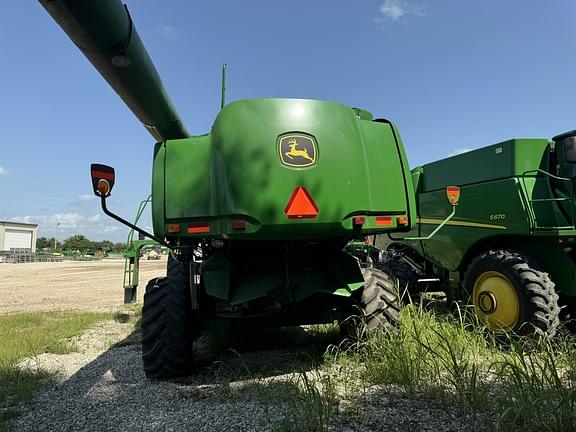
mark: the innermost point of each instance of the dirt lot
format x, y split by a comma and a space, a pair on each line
69, 285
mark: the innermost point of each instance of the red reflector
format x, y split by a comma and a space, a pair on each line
384, 220
301, 205
239, 224
198, 229
173, 228
359, 220
103, 175
402, 220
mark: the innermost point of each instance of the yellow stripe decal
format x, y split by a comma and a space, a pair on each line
431, 221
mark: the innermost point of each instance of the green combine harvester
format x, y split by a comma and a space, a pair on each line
257, 213
510, 249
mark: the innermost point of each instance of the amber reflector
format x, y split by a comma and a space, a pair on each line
384, 220
198, 229
402, 220
301, 205
103, 187
173, 228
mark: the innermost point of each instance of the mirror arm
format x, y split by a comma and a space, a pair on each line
125, 222
438, 228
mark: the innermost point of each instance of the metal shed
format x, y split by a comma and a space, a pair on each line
16, 235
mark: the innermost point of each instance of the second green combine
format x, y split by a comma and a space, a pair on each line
510, 251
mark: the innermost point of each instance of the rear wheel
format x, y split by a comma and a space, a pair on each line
511, 294
379, 300
168, 327
405, 275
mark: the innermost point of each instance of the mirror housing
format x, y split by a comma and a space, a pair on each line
103, 177
453, 194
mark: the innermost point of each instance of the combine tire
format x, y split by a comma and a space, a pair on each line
379, 299
405, 275
511, 294
167, 328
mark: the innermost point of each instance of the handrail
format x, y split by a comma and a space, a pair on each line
141, 208
537, 200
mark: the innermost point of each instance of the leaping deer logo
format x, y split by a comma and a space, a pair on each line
295, 152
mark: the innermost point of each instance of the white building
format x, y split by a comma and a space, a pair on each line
16, 235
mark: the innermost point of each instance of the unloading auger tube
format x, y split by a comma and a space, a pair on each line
103, 30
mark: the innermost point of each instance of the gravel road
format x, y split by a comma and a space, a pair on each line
69, 285
103, 387
107, 391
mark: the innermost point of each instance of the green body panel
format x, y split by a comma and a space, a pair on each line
475, 218
507, 159
508, 200
337, 273
236, 172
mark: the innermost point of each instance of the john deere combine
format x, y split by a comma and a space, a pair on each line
258, 211
510, 249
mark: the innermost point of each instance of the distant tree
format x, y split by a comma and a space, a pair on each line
119, 247
106, 245
77, 242
43, 243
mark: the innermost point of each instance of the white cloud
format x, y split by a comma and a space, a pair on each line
85, 198
395, 9
3, 172
460, 151
64, 225
63, 220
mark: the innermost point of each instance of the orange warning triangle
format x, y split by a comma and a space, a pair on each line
301, 205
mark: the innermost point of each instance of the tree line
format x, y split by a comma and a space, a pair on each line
79, 243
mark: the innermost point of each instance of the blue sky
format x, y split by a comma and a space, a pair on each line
452, 74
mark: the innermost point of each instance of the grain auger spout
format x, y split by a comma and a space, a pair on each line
103, 30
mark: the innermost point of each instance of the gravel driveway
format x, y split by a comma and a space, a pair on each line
106, 390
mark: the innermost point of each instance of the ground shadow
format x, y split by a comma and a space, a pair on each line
112, 393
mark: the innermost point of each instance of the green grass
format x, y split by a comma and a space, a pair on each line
451, 361
443, 360
28, 335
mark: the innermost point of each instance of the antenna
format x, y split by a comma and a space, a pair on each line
223, 97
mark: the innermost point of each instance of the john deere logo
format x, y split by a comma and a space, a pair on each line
297, 150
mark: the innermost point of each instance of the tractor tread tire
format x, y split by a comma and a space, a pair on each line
539, 306
405, 275
379, 299
167, 328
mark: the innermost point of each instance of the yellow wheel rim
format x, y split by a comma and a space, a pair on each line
496, 301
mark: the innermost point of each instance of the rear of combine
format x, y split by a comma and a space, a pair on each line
257, 213
510, 249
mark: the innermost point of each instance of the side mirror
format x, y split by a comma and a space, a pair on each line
453, 194
102, 179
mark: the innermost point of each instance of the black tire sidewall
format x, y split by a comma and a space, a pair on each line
486, 263
504, 262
